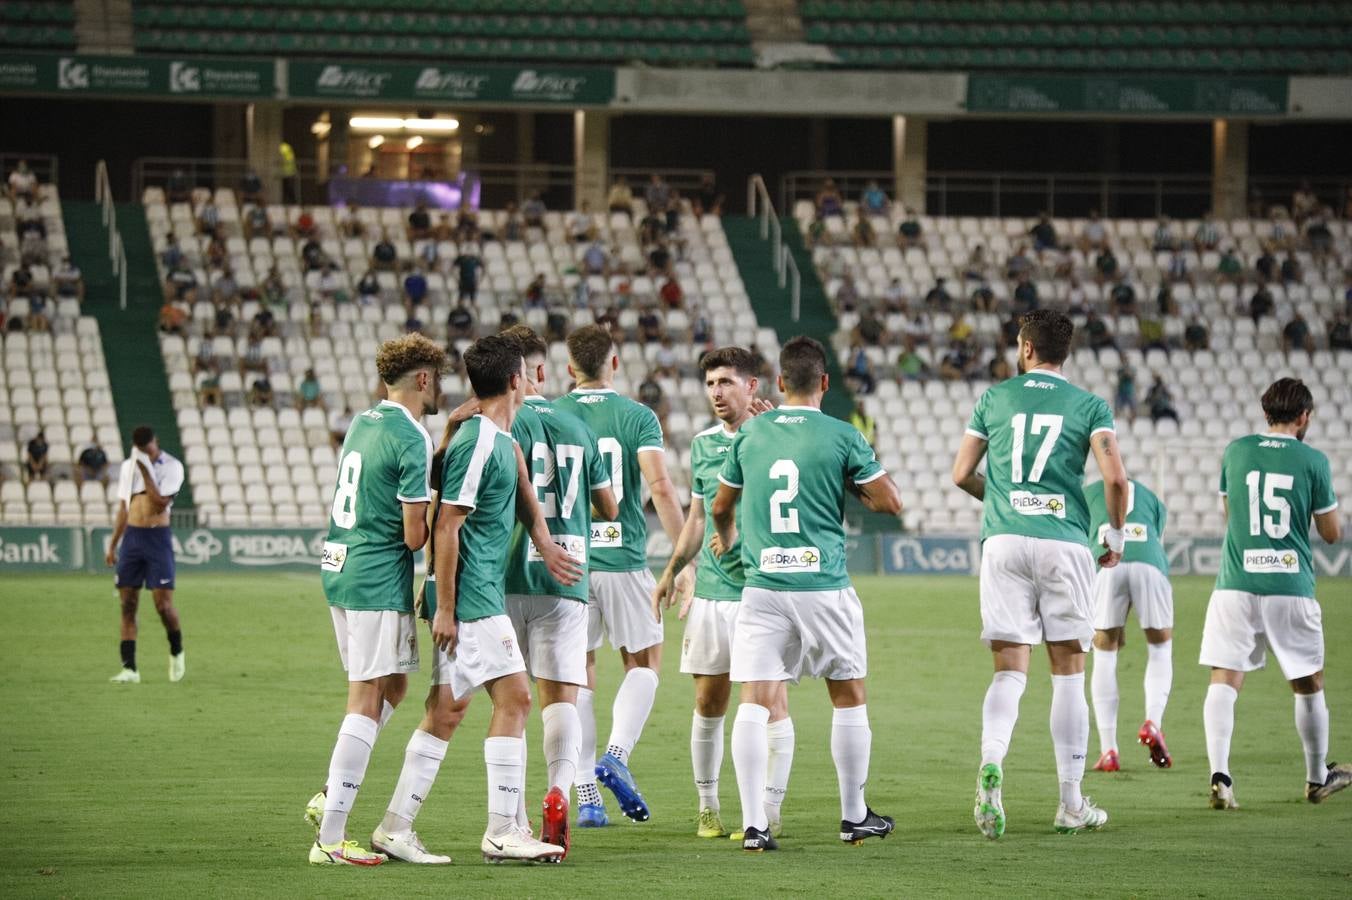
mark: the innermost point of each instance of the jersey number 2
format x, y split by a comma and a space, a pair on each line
345, 494
784, 518
1278, 526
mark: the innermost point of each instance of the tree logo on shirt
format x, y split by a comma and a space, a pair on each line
809, 557
612, 532
1055, 505
1289, 559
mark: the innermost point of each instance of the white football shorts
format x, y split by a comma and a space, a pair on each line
1135, 585
707, 646
552, 635
783, 635
1241, 626
375, 642
485, 650
1035, 590
621, 607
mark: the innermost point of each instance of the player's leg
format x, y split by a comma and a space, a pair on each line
1232, 644
751, 761
781, 738
504, 839
160, 579
1154, 602
1111, 601
164, 605
591, 813
706, 657
129, 599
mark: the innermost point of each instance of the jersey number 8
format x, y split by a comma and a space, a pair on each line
345, 494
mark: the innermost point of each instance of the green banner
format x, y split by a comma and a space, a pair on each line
54, 549
1127, 95
452, 84
194, 77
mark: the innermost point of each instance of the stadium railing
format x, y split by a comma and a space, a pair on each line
758, 206
117, 253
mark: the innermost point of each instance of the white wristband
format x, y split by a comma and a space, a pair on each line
1115, 539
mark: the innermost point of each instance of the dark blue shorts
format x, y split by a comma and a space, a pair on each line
146, 558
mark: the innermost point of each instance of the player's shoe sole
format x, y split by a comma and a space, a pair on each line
1087, 818
554, 829
1222, 793
1153, 739
757, 841
592, 815
1339, 777
871, 826
989, 812
1108, 762
344, 853
616, 776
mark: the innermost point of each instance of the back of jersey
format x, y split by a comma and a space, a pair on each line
791, 465
565, 467
1037, 427
385, 462
1273, 484
1143, 529
624, 428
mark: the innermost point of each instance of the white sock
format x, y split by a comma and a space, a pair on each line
633, 703
502, 756
422, 761
851, 745
999, 712
1070, 735
706, 757
1104, 688
586, 750
563, 730
522, 820
347, 768
1312, 724
1159, 680
750, 759
386, 710
781, 761
1218, 718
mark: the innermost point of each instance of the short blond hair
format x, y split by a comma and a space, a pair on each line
409, 353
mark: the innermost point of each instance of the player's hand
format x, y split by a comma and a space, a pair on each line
664, 594
444, 631
110, 558
685, 589
761, 405
716, 545
420, 600
561, 566
464, 412
1109, 558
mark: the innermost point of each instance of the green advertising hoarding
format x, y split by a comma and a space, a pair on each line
398, 82
1127, 95
56, 549
74, 74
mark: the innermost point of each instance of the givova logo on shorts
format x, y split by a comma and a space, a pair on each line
790, 559
1271, 562
1029, 504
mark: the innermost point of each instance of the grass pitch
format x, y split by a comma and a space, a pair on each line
197, 788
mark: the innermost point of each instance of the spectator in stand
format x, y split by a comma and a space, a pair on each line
595, 260
1025, 295
847, 295
174, 319
1165, 239
1304, 203
1207, 236
651, 228
938, 297
1044, 234
208, 218
37, 313
961, 329
667, 365
339, 423
33, 249
256, 222
265, 322
224, 321
1230, 268
460, 322
36, 463
651, 395
1261, 304
251, 189
863, 232
1009, 332
1291, 270
1094, 236
260, 392
911, 366
534, 295
671, 294
828, 200
1319, 237
1077, 301
978, 267
1195, 336
383, 255
304, 229
178, 188
659, 261
350, 225
1018, 263
1160, 400
983, 298
91, 464
1165, 305
651, 327
910, 233
958, 363
181, 283
1150, 333
1296, 335
419, 222
468, 268
23, 184
581, 226
1266, 265
368, 288
657, 194
1123, 297
218, 256
673, 213
331, 285
225, 289
309, 394
621, 198
68, 281
29, 219
894, 296
21, 281
707, 200
1098, 333
253, 359
533, 211
998, 369
869, 331
513, 226
918, 328
415, 288
172, 254
816, 232
1340, 332
1283, 232
860, 371
873, 201
701, 327
1178, 269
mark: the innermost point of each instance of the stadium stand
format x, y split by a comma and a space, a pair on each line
661, 32
1220, 36
38, 24
883, 294
262, 460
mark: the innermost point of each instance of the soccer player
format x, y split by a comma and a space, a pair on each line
1264, 594
730, 383
379, 519
790, 470
1141, 582
474, 638
620, 590
568, 476
1036, 568
146, 486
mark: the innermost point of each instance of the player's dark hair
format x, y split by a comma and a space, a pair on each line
490, 363
531, 343
1285, 399
746, 363
802, 363
142, 436
590, 348
1050, 333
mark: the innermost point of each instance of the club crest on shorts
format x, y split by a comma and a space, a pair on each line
507, 645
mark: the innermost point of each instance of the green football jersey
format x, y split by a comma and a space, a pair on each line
1273, 484
385, 462
479, 473
624, 428
792, 464
1037, 427
1144, 528
715, 578
565, 467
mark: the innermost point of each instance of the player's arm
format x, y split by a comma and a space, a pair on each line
1115, 488
724, 511
560, 565
653, 465
1329, 526
604, 505
880, 495
415, 524
965, 475
119, 526
447, 543
159, 501
685, 552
